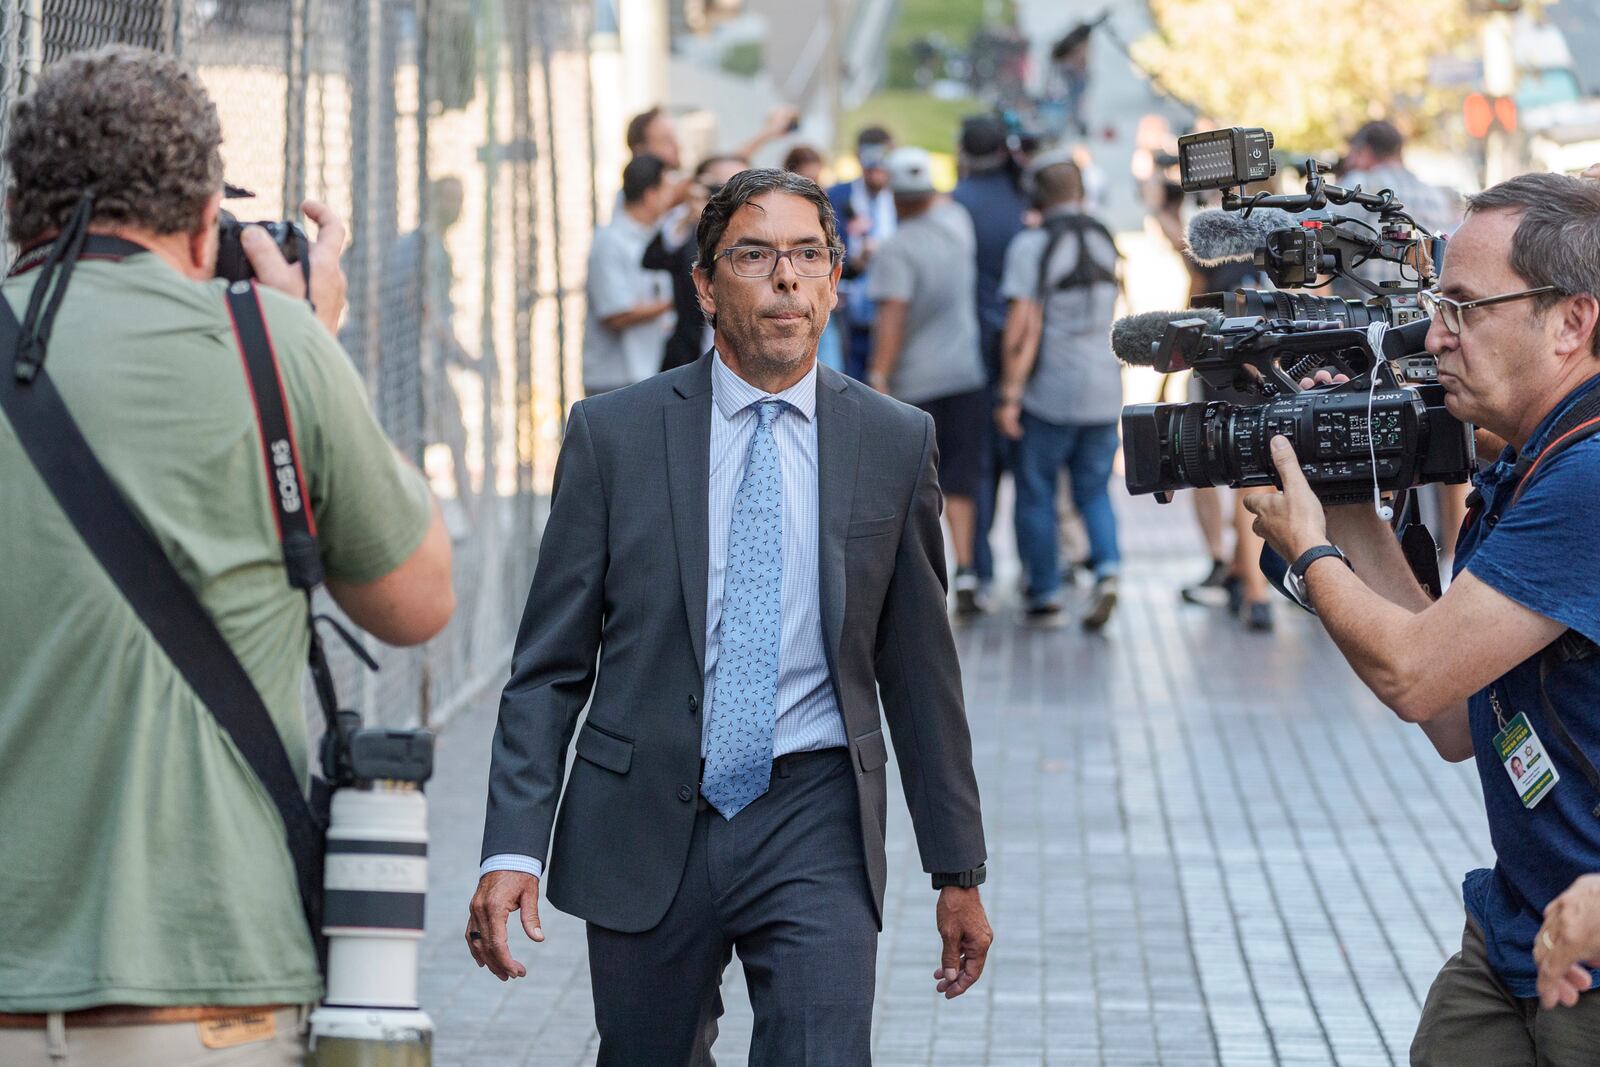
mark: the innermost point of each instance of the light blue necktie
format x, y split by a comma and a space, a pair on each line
744, 702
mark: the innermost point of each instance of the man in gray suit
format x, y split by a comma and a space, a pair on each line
759, 536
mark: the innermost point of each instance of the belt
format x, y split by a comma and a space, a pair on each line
136, 1015
785, 766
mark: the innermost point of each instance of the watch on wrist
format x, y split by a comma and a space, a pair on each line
961, 879
1295, 580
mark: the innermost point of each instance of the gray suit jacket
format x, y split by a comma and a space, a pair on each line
616, 618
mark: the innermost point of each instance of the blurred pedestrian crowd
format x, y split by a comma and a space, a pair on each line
989, 307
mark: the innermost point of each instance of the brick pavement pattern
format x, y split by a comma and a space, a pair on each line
1207, 847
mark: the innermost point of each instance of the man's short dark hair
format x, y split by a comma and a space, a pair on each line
1557, 241
726, 157
134, 127
643, 173
1380, 138
801, 155
639, 128
873, 135
745, 187
1058, 183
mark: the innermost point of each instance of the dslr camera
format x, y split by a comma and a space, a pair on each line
234, 265
1384, 430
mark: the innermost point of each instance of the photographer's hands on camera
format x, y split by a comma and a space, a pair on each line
327, 276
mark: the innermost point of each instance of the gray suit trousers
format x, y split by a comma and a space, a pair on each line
784, 884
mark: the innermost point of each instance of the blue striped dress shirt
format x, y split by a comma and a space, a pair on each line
808, 715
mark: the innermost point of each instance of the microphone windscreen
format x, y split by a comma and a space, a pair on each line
1218, 236
1134, 338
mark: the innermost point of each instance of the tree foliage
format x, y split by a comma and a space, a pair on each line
1310, 73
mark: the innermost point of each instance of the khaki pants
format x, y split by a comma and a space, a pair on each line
58, 1044
1471, 1019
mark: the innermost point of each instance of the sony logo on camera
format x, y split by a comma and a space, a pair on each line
283, 468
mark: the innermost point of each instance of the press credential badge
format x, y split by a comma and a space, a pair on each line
1522, 753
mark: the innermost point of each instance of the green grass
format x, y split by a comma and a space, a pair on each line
955, 20
914, 117
745, 59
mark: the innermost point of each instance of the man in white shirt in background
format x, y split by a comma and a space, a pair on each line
630, 308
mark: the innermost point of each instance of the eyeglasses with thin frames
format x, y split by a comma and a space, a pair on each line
1451, 312
759, 261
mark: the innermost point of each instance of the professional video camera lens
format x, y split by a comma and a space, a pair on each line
1337, 433
1303, 307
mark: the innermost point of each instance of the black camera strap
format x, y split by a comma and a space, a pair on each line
163, 601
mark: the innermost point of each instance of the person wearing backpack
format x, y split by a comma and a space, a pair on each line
150, 905
1503, 666
1061, 386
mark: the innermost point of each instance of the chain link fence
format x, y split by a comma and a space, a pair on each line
455, 137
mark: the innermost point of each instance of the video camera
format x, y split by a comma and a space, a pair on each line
1386, 429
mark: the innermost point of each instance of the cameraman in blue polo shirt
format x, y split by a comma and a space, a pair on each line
1514, 330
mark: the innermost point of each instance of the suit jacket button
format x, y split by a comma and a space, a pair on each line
694, 705
685, 794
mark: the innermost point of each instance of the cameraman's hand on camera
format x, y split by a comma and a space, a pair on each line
499, 894
327, 276
1291, 521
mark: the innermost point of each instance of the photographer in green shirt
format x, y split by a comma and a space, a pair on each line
148, 903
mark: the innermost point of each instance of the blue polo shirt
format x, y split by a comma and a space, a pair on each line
1545, 555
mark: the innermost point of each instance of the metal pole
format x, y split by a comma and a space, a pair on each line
294, 109
33, 54
558, 278
836, 71
1499, 79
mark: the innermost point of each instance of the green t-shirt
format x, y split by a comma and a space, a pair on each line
140, 860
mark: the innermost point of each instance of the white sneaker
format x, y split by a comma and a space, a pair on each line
1102, 602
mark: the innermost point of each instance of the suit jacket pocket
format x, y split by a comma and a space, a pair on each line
605, 749
874, 527
871, 753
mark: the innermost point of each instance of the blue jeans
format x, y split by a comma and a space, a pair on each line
1087, 452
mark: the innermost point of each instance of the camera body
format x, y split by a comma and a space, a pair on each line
1386, 428
234, 265
1346, 441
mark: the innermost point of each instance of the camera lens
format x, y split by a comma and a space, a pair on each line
1303, 307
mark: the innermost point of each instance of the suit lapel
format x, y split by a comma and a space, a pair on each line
838, 448
687, 419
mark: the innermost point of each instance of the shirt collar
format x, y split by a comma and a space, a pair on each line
631, 225
733, 394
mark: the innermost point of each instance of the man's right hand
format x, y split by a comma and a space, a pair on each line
328, 283
499, 894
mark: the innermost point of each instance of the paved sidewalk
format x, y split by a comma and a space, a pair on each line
1206, 847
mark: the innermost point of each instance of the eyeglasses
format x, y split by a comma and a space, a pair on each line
1451, 312
759, 261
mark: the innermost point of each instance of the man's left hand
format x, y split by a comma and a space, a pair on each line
964, 928
1569, 937
1291, 521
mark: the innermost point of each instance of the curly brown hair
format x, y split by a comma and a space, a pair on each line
133, 126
